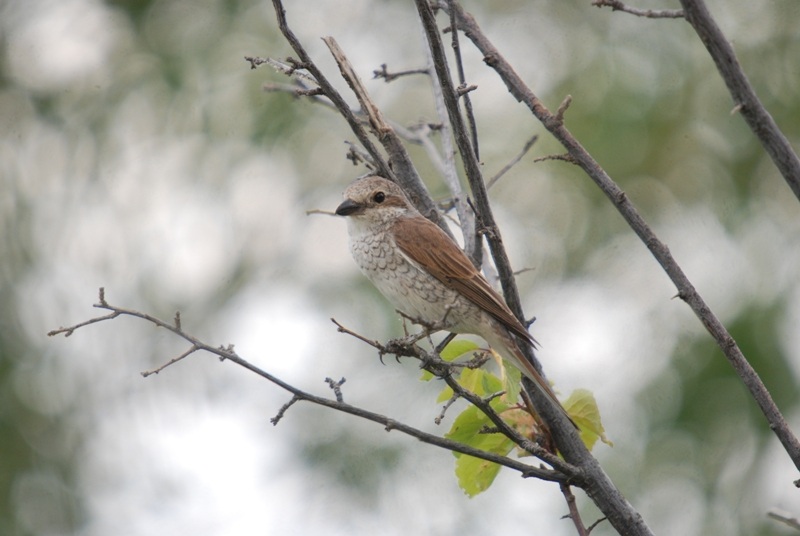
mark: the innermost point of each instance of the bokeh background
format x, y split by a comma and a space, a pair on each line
139, 153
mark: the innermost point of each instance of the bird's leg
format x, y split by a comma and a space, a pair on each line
478, 360
427, 328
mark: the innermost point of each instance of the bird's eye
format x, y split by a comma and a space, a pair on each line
379, 197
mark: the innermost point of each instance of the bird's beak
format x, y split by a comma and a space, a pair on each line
348, 208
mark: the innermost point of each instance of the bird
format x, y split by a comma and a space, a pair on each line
426, 276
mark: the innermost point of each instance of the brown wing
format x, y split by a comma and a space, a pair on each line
429, 247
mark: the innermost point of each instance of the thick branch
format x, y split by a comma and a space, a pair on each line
471, 164
599, 487
659, 250
545, 407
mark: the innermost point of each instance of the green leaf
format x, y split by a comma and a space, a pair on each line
468, 425
476, 475
582, 407
456, 348
480, 382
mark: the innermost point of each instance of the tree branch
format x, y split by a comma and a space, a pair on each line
744, 96
470, 161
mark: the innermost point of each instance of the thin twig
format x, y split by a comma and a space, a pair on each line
566, 157
616, 5
591, 527
70, 330
389, 77
466, 217
337, 388
574, 514
172, 361
473, 244
450, 402
784, 517
449, 171
296, 91
281, 412
562, 109
356, 154
289, 67
464, 90
513, 162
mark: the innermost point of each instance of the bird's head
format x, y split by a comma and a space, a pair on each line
374, 200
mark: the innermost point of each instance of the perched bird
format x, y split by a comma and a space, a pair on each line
425, 274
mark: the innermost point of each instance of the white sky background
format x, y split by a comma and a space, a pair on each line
160, 212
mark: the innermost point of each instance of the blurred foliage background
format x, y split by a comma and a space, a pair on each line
139, 153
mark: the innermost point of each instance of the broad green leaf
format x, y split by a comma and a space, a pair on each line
480, 382
456, 348
476, 475
468, 425
582, 407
